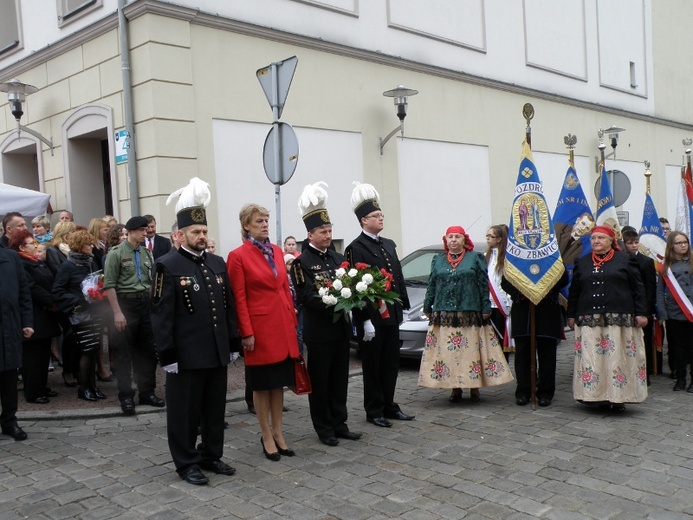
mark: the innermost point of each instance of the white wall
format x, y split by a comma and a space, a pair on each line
324, 155
441, 185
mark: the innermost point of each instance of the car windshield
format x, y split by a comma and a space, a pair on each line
416, 267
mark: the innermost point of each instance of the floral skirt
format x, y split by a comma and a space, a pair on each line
609, 364
462, 357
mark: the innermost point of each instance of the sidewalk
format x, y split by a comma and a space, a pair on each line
490, 460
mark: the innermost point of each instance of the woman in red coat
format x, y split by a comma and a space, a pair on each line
267, 323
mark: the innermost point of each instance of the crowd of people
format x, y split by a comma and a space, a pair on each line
71, 289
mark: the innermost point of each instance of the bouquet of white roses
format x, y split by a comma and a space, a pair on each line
355, 287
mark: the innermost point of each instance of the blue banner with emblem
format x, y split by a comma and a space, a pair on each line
652, 239
532, 260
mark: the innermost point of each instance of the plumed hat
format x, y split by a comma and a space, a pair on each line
365, 199
311, 204
192, 201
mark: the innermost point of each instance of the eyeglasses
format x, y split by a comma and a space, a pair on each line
491, 236
377, 215
680, 243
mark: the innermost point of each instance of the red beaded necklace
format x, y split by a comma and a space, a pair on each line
598, 262
454, 262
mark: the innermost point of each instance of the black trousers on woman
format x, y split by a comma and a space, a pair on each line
680, 337
36, 354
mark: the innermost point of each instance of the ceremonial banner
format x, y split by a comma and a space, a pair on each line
683, 206
606, 211
532, 260
652, 239
573, 220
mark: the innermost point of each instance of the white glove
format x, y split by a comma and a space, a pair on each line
368, 330
171, 369
235, 356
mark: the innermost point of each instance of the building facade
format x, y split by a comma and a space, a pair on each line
187, 82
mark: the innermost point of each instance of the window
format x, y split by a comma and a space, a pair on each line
69, 10
9, 26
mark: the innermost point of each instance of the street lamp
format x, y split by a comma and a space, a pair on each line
16, 95
400, 95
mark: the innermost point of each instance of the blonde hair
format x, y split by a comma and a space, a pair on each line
246, 215
110, 220
95, 226
61, 230
42, 220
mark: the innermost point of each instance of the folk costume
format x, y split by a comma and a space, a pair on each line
606, 296
195, 329
325, 333
461, 351
380, 355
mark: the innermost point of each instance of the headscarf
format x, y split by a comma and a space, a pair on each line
609, 231
468, 244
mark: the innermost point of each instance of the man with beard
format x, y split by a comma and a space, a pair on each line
195, 327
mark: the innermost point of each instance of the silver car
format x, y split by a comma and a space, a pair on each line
416, 268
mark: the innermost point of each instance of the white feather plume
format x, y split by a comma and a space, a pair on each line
196, 193
314, 197
363, 192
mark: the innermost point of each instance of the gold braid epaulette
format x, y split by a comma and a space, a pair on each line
298, 273
158, 283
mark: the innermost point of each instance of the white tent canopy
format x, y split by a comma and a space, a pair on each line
29, 203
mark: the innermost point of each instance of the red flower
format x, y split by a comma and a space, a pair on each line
345, 265
360, 265
586, 376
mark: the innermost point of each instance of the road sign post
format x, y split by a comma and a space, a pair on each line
280, 153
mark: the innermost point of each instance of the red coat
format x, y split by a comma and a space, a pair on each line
263, 303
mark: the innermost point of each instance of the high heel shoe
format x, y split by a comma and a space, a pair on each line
287, 452
103, 379
98, 393
271, 456
87, 394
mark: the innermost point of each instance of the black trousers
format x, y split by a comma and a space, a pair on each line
135, 352
8, 397
328, 368
195, 398
546, 367
36, 354
380, 362
680, 337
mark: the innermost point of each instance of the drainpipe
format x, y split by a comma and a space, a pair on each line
127, 108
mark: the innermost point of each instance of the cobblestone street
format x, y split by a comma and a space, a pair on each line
487, 460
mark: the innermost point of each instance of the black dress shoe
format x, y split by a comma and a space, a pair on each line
98, 393
39, 400
194, 476
690, 388
329, 441
680, 385
274, 457
352, 436
379, 421
543, 401
14, 431
128, 407
618, 407
218, 467
400, 416
50, 393
87, 394
522, 401
153, 400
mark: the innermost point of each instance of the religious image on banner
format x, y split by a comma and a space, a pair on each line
533, 262
606, 211
652, 239
573, 220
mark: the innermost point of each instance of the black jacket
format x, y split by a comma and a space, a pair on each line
15, 309
319, 324
40, 280
383, 255
193, 311
617, 288
548, 318
649, 280
67, 290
